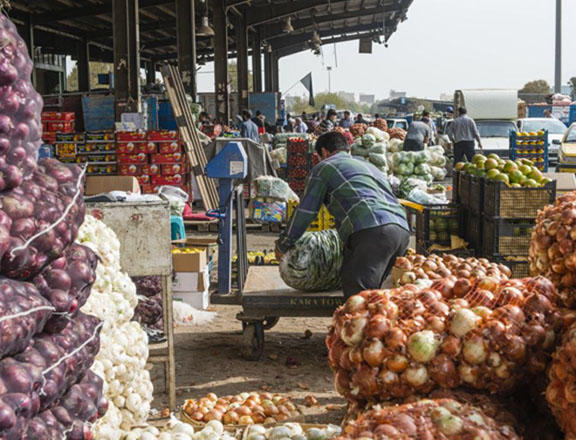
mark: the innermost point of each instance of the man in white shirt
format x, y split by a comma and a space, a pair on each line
463, 132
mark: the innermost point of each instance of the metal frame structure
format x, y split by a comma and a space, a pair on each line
135, 34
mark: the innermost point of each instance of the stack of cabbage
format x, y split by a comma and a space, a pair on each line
428, 165
122, 359
372, 147
46, 346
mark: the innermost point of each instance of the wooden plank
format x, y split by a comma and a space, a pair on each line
193, 146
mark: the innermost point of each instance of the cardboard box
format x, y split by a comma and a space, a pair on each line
162, 136
171, 170
143, 180
130, 170
167, 159
146, 147
169, 147
104, 184
189, 262
132, 158
198, 300
58, 116
131, 136
176, 179
191, 281
151, 169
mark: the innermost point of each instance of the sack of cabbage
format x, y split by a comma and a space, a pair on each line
314, 264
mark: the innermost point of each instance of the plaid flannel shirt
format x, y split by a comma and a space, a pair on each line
355, 192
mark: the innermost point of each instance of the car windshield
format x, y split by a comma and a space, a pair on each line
571, 135
554, 126
488, 129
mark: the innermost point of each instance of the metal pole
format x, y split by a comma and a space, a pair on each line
558, 75
186, 38
257, 62
242, 63
121, 59
221, 61
134, 65
83, 66
329, 68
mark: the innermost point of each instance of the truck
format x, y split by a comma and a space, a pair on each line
495, 112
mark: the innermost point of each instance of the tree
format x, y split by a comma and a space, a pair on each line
539, 86
233, 78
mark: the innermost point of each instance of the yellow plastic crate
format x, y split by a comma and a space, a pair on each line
324, 220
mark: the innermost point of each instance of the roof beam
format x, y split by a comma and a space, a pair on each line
272, 31
291, 50
88, 11
265, 14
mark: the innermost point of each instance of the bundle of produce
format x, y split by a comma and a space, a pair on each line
486, 335
122, 359
397, 133
24, 313
358, 130
314, 263
552, 247
412, 164
369, 148
395, 145
82, 405
416, 190
293, 431
427, 419
40, 218
149, 308
346, 133
561, 394
381, 124
273, 187
414, 267
520, 173
66, 283
243, 409
437, 162
20, 109
379, 135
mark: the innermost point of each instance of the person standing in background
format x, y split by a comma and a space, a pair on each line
360, 119
346, 122
300, 126
248, 129
463, 132
329, 123
418, 134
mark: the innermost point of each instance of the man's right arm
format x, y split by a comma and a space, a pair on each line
477, 135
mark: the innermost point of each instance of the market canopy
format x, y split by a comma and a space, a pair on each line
57, 23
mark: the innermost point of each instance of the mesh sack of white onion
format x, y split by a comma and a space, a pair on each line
66, 283
552, 248
20, 109
415, 267
72, 417
438, 419
40, 218
486, 335
45, 371
23, 314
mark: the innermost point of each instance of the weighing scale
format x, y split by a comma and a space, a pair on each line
263, 295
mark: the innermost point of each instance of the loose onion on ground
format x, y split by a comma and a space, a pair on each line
430, 339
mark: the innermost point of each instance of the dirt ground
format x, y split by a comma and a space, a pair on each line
294, 363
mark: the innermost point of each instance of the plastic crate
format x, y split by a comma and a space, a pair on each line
506, 237
476, 196
473, 230
435, 224
316, 225
424, 248
519, 268
505, 202
465, 185
456, 186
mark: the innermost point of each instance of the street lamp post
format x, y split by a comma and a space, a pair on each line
558, 73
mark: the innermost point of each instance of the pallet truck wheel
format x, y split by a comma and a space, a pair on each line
253, 341
270, 322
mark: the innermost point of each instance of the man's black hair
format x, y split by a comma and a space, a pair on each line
462, 110
346, 112
331, 112
425, 114
258, 113
247, 114
332, 141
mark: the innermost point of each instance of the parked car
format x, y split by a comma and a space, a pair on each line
495, 135
556, 131
567, 151
398, 123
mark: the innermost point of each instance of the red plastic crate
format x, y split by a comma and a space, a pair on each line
129, 170
163, 135
133, 158
131, 136
151, 169
169, 147
167, 158
58, 116
177, 179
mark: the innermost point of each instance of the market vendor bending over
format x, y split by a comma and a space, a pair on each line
369, 218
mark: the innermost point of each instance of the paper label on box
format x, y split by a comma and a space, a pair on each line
236, 167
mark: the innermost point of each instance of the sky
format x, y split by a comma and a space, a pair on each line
443, 46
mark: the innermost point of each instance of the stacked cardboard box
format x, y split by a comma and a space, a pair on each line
57, 122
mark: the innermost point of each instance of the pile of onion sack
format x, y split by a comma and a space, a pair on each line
148, 312
486, 335
46, 345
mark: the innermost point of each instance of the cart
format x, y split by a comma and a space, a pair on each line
265, 299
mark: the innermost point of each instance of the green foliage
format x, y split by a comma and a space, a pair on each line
539, 86
96, 68
323, 99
